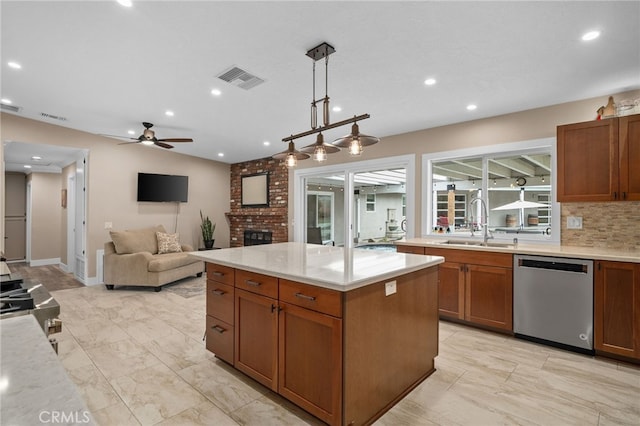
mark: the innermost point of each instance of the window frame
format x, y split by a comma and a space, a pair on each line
504, 149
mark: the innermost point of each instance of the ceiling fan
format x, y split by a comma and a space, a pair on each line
148, 137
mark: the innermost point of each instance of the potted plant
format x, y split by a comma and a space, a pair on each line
207, 228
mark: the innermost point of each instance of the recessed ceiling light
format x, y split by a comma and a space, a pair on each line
125, 3
471, 107
337, 109
6, 101
131, 132
266, 143
220, 154
26, 166
591, 35
14, 65
36, 158
430, 81
169, 113
216, 92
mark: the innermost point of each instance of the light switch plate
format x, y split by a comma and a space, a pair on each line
108, 225
389, 288
574, 222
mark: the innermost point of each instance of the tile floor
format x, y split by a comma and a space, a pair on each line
138, 358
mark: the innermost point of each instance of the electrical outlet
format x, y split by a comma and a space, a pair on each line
389, 288
574, 222
108, 225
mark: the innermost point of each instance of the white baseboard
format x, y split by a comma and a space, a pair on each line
45, 262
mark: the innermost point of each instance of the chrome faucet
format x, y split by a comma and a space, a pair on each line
486, 233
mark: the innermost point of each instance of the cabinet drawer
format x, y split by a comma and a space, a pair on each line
220, 338
311, 297
257, 283
220, 273
400, 248
475, 257
220, 301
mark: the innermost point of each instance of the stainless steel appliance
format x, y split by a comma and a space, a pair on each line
553, 301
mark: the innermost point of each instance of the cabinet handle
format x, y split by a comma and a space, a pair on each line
252, 283
218, 274
305, 297
218, 329
615, 195
624, 195
218, 292
273, 307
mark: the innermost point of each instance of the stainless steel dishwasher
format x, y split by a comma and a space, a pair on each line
553, 301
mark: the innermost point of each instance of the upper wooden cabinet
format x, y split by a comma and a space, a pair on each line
596, 160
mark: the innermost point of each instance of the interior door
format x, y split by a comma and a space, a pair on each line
15, 225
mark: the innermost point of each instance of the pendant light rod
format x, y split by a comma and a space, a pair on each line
323, 128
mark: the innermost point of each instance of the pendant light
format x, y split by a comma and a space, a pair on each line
354, 141
320, 149
291, 155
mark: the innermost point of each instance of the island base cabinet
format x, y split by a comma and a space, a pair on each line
390, 343
310, 361
256, 337
617, 309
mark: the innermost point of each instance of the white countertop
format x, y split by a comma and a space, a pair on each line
324, 266
34, 387
593, 253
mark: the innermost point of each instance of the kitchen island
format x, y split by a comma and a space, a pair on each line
342, 333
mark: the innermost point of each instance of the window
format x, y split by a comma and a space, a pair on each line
371, 202
515, 181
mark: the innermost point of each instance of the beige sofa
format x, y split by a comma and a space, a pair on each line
133, 258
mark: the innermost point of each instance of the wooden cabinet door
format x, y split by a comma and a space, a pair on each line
588, 161
310, 360
617, 308
630, 157
451, 290
489, 296
256, 337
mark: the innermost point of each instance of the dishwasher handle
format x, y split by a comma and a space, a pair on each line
555, 266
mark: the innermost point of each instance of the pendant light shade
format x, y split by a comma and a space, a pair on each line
291, 155
320, 149
355, 141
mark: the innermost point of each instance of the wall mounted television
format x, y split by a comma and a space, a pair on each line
163, 188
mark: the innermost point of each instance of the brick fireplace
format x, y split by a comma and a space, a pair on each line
272, 219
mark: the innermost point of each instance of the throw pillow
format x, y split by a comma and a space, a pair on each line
168, 243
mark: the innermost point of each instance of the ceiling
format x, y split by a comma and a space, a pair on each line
102, 68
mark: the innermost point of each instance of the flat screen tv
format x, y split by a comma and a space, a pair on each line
162, 188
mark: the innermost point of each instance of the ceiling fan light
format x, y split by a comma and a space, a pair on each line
147, 142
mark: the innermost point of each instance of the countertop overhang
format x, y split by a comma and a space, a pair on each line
593, 253
330, 267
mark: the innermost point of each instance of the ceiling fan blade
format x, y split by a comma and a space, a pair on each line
117, 136
127, 143
176, 140
163, 145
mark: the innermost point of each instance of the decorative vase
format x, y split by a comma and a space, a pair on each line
208, 244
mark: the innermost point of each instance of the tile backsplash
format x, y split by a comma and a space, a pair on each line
611, 225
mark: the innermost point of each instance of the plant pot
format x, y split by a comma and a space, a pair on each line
208, 244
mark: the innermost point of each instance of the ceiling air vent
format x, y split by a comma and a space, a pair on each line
53, 117
241, 78
10, 108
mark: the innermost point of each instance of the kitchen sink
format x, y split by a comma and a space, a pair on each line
477, 243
